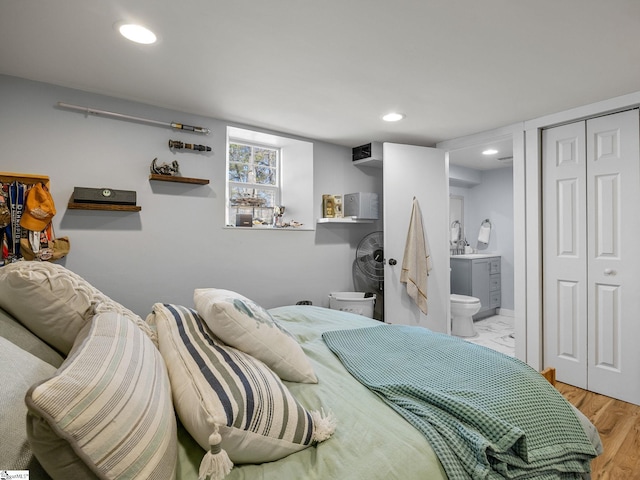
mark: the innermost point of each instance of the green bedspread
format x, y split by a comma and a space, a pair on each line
371, 442
485, 414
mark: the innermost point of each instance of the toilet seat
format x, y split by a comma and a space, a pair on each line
465, 299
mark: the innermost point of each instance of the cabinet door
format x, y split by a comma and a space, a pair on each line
480, 279
461, 277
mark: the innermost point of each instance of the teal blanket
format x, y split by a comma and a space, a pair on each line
485, 414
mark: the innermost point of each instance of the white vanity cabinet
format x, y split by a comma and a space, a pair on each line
478, 276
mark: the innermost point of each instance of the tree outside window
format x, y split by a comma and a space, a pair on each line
253, 181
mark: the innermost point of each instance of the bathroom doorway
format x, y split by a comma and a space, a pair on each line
483, 184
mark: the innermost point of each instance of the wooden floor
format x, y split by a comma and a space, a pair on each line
619, 426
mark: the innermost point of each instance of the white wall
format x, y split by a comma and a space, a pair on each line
492, 198
177, 241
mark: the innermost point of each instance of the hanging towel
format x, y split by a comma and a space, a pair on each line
456, 233
485, 233
416, 262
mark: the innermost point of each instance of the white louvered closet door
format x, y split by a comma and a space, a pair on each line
591, 229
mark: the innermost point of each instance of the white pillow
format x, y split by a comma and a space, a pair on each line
224, 395
245, 325
55, 303
107, 411
18, 371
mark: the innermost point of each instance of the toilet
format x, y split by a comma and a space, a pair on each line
463, 308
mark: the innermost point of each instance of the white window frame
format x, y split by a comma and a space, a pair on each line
249, 185
295, 177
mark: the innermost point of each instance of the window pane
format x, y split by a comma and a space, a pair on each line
262, 216
239, 153
265, 156
238, 172
265, 175
244, 196
252, 197
269, 197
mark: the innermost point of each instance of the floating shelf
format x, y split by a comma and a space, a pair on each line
170, 178
345, 220
102, 206
368, 162
26, 178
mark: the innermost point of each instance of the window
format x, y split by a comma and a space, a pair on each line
253, 181
265, 171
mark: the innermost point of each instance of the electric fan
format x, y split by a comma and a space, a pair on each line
368, 271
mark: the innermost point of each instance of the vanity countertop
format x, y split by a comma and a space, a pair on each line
475, 256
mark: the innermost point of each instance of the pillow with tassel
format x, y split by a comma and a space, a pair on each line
231, 403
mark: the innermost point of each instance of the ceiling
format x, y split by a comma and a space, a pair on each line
473, 156
330, 69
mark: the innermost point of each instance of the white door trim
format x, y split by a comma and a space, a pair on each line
527, 185
516, 133
532, 185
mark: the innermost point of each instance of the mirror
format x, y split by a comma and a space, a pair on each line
456, 214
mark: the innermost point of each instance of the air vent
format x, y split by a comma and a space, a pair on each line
370, 151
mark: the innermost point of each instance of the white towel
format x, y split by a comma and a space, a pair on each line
455, 234
416, 262
485, 234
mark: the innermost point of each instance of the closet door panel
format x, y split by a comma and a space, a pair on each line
607, 352
568, 324
607, 227
613, 179
564, 253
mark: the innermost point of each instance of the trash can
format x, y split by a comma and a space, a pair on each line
354, 302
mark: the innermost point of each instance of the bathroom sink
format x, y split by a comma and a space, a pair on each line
475, 255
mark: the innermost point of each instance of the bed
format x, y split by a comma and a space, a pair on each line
373, 438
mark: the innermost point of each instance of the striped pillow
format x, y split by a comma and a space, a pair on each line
256, 415
108, 410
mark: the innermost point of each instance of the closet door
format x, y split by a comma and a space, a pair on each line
591, 225
613, 178
565, 252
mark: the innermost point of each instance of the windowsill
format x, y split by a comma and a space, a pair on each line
346, 220
303, 228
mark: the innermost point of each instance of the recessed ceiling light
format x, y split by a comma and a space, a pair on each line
137, 33
490, 151
393, 117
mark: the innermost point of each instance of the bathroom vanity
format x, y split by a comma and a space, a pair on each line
478, 275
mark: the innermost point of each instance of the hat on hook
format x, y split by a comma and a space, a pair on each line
39, 209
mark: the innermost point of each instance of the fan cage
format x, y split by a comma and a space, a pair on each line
370, 256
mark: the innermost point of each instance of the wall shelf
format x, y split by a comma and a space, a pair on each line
102, 206
170, 178
26, 178
350, 220
368, 162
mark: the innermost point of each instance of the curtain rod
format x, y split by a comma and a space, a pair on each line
177, 126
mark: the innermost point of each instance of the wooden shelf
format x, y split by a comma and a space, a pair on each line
26, 178
103, 206
170, 178
345, 220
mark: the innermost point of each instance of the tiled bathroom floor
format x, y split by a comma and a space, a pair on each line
495, 332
